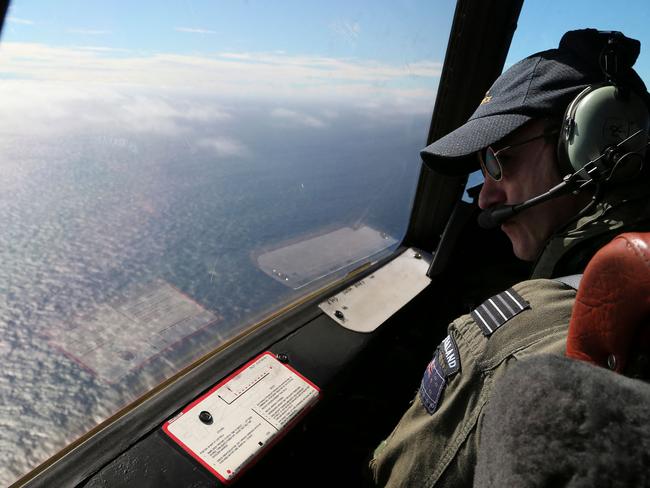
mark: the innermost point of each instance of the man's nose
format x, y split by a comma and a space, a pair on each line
492, 193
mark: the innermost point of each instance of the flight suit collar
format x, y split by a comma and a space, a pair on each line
569, 251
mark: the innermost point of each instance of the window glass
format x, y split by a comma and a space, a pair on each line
170, 172
475, 178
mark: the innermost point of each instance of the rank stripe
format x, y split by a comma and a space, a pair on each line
497, 310
489, 330
499, 315
493, 320
521, 307
507, 305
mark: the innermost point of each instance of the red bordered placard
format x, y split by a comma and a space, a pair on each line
250, 410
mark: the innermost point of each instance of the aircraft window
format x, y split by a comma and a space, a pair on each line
170, 174
475, 178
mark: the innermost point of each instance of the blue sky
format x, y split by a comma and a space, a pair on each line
343, 53
383, 30
391, 33
542, 23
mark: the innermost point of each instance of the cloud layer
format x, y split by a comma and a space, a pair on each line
252, 75
57, 91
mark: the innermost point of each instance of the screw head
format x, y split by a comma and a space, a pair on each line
418, 255
338, 314
611, 362
206, 418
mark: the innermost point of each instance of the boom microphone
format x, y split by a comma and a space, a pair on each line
493, 217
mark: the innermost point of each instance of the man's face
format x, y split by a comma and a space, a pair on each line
528, 171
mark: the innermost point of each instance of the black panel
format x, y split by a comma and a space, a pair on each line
154, 462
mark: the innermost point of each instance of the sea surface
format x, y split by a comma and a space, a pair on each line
99, 218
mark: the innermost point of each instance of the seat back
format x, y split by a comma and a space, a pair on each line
610, 322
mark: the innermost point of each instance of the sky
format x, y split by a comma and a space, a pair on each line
368, 51
542, 23
344, 52
336, 28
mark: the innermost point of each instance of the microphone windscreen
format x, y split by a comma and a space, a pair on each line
485, 220
494, 217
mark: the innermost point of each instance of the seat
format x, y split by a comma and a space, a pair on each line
612, 308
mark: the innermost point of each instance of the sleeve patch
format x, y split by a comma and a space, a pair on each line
450, 359
496, 311
433, 382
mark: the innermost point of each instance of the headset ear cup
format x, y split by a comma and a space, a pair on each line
594, 127
564, 163
567, 133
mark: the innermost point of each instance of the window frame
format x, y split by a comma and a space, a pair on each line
473, 47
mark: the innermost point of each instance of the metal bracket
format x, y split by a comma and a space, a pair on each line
368, 303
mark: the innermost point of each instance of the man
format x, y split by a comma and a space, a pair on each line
514, 133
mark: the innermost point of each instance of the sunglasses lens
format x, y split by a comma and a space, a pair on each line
491, 163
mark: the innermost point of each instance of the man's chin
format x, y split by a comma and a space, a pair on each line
521, 248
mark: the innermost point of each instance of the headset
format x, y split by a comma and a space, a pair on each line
603, 138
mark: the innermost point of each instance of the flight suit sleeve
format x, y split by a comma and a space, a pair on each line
436, 441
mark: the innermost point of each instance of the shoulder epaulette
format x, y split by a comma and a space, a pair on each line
497, 310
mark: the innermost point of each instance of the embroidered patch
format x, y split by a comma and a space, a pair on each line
433, 382
449, 357
496, 311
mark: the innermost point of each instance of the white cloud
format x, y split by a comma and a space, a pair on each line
52, 109
16, 20
194, 30
297, 117
88, 32
225, 146
103, 49
273, 76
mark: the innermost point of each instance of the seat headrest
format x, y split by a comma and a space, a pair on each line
611, 315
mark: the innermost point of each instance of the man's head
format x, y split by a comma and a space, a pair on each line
517, 182
517, 108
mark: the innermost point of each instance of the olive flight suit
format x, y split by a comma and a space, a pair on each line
436, 441
438, 446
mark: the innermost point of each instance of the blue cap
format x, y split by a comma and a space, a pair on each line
541, 85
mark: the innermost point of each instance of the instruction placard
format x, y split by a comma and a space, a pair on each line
228, 426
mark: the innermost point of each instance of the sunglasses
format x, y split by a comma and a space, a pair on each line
490, 163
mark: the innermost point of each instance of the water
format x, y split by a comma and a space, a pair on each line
92, 209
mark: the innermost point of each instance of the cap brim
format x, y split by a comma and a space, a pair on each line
469, 138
